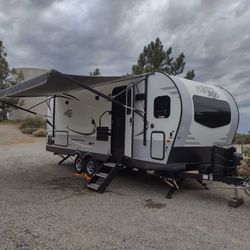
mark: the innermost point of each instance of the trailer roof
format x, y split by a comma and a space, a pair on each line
55, 82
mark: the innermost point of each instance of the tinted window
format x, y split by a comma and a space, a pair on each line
162, 106
210, 112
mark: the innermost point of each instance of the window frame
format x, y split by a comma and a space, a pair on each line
156, 105
219, 107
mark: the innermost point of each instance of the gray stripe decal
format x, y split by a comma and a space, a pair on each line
173, 92
191, 138
192, 143
168, 88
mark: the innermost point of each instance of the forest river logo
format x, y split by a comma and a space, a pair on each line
208, 91
68, 113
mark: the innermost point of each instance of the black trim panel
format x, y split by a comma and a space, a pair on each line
146, 165
190, 155
127, 161
118, 122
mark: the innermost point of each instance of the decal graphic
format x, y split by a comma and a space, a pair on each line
87, 133
81, 133
68, 113
147, 125
208, 91
71, 97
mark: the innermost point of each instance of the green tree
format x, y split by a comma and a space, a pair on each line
8, 78
96, 72
190, 75
155, 58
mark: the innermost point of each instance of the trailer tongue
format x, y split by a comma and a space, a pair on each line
222, 168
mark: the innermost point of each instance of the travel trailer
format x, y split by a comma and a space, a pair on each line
173, 126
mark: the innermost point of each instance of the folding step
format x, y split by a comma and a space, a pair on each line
109, 164
103, 176
93, 186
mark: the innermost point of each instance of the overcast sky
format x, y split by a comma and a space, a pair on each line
76, 36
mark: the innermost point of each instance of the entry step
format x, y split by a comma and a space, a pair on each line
102, 175
93, 186
110, 164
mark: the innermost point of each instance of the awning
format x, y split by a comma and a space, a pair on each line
54, 83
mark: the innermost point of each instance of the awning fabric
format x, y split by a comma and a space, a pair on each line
54, 82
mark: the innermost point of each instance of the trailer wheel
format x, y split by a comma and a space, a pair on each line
79, 166
91, 166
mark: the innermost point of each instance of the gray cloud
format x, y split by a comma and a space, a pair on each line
77, 36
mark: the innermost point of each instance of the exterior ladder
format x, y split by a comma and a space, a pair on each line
103, 176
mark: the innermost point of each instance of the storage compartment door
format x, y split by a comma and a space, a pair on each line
61, 138
157, 145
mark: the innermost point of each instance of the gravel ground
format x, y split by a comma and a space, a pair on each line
44, 206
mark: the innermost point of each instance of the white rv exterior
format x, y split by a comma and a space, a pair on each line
149, 122
172, 128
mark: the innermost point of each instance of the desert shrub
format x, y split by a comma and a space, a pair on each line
31, 124
246, 152
41, 132
242, 138
28, 130
244, 168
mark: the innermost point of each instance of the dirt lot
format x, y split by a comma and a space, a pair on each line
44, 206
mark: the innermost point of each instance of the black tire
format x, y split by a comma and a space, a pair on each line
79, 165
91, 165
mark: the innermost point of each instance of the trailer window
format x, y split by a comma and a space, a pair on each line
162, 106
210, 112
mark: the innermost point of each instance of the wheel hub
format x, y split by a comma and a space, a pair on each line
90, 167
79, 165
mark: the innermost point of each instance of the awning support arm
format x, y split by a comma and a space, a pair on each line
39, 103
27, 110
66, 97
129, 87
85, 86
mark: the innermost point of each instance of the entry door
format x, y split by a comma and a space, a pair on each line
160, 117
118, 123
129, 123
